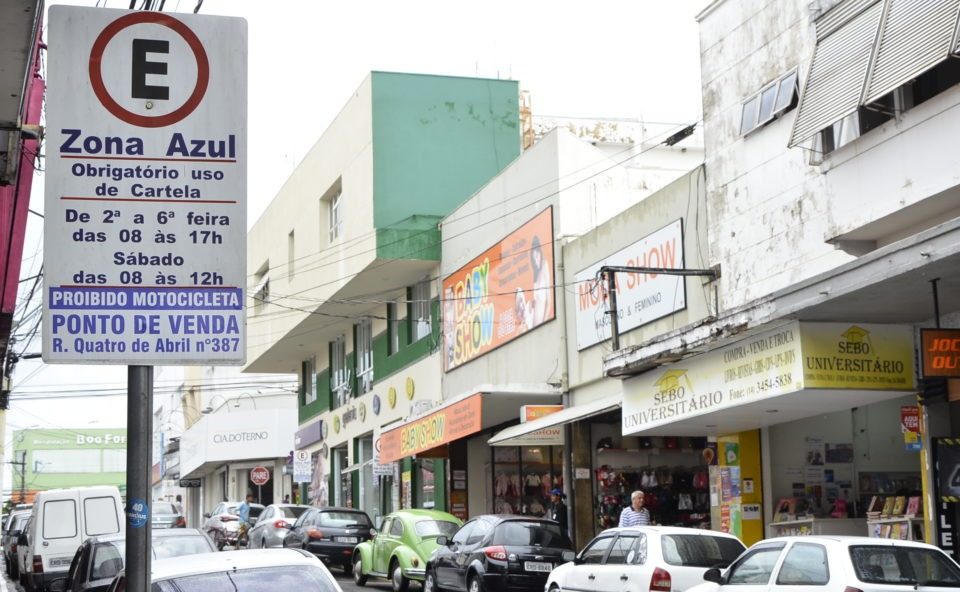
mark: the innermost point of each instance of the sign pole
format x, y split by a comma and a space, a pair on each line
139, 432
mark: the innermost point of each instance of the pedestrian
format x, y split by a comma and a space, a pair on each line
636, 514
286, 499
178, 504
558, 509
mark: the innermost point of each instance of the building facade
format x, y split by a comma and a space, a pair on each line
53, 458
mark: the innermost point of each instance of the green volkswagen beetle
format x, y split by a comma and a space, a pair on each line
402, 546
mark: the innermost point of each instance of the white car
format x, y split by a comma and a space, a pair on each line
645, 558
836, 564
239, 571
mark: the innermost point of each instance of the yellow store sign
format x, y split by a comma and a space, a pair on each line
787, 359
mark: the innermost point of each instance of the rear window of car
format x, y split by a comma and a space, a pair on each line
292, 511
696, 550
287, 577
175, 546
342, 519
427, 528
526, 533
60, 519
901, 564
19, 521
255, 511
163, 508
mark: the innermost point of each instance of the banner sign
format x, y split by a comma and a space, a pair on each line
436, 429
910, 427
501, 294
641, 298
145, 227
940, 351
783, 360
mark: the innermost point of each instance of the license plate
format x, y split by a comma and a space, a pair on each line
61, 561
538, 566
346, 539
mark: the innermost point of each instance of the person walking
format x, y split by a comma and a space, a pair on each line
636, 514
558, 510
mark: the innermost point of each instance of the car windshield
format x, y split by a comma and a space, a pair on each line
163, 508
696, 550
286, 577
19, 521
108, 557
293, 511
896, 564
529, 533
342, 519
432, 528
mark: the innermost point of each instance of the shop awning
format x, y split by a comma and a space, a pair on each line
570, 414
355, 467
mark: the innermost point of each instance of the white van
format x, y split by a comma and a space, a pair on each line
62, 520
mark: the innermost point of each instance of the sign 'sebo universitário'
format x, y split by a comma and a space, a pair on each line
145, 213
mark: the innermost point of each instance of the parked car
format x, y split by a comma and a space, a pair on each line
165, 515
402, 547
497, 553
837, 564
20, 557
331, 534
61, 520
646, 558
14, 526
223, 524
239, 571
100, 559
274, 525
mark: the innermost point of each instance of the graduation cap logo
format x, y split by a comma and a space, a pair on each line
856, 340
673, 381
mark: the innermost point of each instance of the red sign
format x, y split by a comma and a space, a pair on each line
259, 475
910, 419
940, 351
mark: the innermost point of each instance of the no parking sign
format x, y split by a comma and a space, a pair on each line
145, 221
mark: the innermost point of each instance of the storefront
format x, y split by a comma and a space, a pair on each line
801, 417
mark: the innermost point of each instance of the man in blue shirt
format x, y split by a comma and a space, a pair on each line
243, 511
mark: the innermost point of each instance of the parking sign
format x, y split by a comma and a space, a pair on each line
145, 219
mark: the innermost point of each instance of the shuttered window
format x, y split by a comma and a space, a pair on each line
915, 36
838, 71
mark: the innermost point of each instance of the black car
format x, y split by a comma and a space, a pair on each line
331, 534
100, 558
499, 553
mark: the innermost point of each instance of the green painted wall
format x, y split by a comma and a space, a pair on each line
53, 455
416, 237
437, 140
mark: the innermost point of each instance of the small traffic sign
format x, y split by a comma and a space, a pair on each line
259, 475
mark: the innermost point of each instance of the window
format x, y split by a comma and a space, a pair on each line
282, 577
429, 528
308, 380
336, 216
464, 533
385, 527
261, 288
621, 548
420, 310
339, 376
595, 551
393, 328
700, 550
59, 519
291, 256
804, 565
887, 564
480, 531
100, 516
396, 529
363, 348
773, 100
342, 519
756, 567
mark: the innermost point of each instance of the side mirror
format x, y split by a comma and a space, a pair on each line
712, 575
443, 541
373, 533
207, 515
58, 585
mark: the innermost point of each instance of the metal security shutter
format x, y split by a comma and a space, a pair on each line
915, 36
838, 71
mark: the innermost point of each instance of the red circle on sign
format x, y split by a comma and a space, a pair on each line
96, 65
259, 475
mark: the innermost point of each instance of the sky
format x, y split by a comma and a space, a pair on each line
617, 59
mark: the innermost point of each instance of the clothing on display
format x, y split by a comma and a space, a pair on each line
676, 496
523, 478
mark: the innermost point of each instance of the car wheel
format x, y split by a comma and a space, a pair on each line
397, 580
430, 582
358, 577
263, 543
475, 585
347, 568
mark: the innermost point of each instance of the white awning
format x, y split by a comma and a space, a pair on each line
355, 467
565, 416
916, 36
838, 71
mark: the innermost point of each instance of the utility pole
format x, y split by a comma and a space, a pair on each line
22, 464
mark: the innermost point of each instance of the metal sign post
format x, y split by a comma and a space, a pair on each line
145, 221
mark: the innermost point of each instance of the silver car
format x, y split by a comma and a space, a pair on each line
166, 515
274, 525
